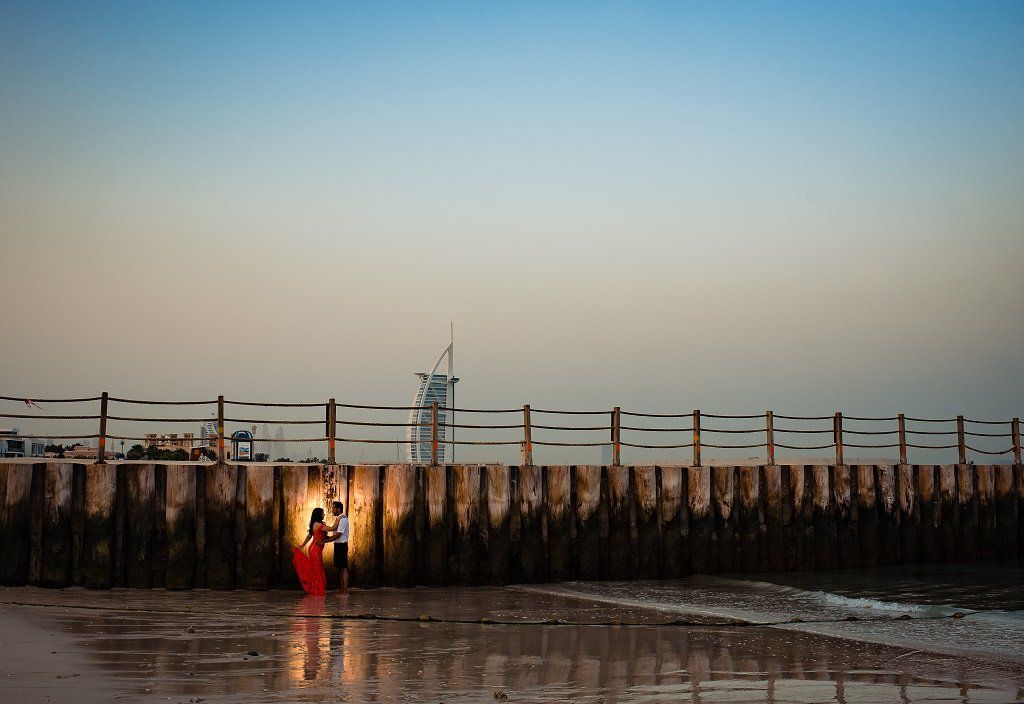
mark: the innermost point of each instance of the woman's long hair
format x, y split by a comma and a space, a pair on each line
317, 517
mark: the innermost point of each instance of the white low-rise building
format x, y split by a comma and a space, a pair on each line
14, 444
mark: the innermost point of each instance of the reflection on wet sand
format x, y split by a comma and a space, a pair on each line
280, 646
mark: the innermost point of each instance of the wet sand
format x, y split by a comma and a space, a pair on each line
285, 647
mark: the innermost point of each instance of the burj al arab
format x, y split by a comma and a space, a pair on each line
435, 387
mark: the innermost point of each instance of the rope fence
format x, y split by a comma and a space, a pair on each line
431, 427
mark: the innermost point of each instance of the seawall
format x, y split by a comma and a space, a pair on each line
196, 525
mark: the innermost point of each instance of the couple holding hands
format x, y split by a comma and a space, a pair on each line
310, 567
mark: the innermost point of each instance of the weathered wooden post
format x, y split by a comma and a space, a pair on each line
701, 521
888, 515
55, 526
949, 512
967, 495
464, 553
221, 547
498, 505
399, 538
724, 501
1006, 511
364, 517
15, 522
696, 438
776, 554
98, 534
621, 559
988, 539
823, 514
616, 437
180, 519
909, 513
1015, 432
140, 486
437, 524
588, 524
332, 430
845, 509
648, 549
558, 491
220, 430
929, 509
961, 443
259, 526
837, 431
770, 430
867, 515
672, 518
433, 434
101, 445
532, 565
903, 438
526, 454
751, 552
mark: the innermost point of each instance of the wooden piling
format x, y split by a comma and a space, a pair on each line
558, 493
648, 544
985, 476
724, 500
823, 517
847, 538
621, 555
1006, 511
949, 512
672, 517
698, 486
364, 520
752, 558
180, 518
436, 538
140, 483
532, 565
888, 515
98, 530
867, 514
967, 499
928, 509
259, 527
296, 513
909, 518
465, 547
775, 547
221, 548
15, 522
399, 540
498, 511
588, 528
55, 563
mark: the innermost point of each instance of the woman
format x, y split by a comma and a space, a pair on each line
310, 568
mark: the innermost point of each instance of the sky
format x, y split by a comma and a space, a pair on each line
664, 206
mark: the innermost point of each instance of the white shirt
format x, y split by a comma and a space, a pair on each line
342, 529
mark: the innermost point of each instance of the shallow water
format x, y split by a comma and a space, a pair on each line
552, 643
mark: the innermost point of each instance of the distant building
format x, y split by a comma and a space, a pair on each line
82, 452
434, 388
12, 444
170, 441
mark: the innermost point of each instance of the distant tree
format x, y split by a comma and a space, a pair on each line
312, 460
137, 452
283, 459
177, 455
261, 457
57, 450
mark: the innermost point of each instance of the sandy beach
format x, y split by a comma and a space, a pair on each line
444, 645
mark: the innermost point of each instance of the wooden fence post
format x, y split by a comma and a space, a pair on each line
696, 438
961, 442
101, 446
433, 434
220, 430
770, 428
837, 430
526, 456
1015, 431
331, 430
903, 438
616, 438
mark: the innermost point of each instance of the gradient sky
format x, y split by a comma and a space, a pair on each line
805, 206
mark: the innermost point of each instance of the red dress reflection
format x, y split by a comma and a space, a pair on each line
310, 568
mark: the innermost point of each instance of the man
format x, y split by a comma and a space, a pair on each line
340, 526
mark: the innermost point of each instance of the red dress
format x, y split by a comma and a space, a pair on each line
310, 568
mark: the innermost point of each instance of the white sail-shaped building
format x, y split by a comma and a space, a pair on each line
435, 387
